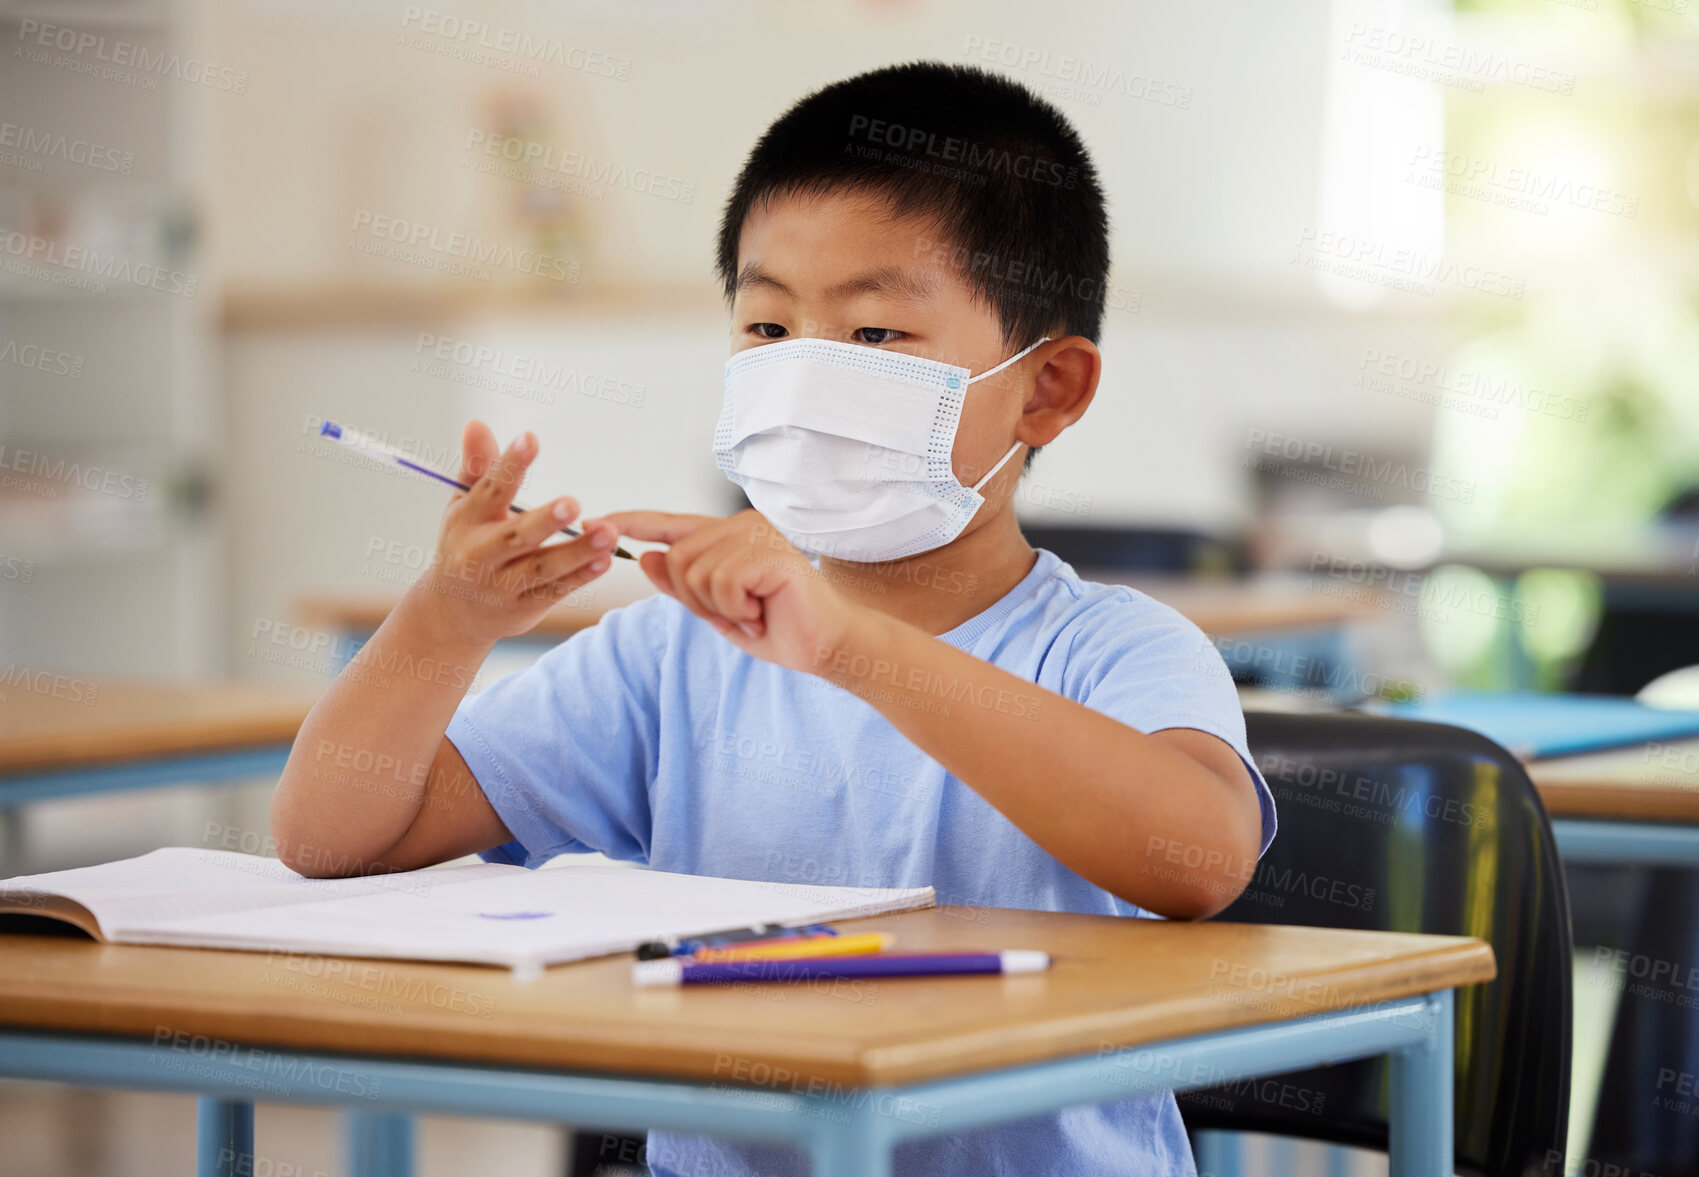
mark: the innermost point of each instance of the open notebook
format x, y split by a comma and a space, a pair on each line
482, 914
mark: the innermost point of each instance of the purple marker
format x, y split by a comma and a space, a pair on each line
678, 972
373, 448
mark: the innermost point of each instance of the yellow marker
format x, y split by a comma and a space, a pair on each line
805, 948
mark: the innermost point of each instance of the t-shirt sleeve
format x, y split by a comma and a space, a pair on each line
565, 749
1145, 664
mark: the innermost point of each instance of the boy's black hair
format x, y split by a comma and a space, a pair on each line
999, 173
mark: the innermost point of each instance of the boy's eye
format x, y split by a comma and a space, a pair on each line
767, 330
880, 335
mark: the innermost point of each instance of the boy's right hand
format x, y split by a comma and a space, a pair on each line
491, 577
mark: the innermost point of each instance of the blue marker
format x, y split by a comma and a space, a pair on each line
658, 949
373, 448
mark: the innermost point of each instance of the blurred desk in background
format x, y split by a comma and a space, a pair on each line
1636, 805
1237, 608
110, 736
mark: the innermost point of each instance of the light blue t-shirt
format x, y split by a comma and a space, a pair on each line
649, 737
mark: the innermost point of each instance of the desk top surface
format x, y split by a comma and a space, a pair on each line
72, 723
1115, 983
1657, 782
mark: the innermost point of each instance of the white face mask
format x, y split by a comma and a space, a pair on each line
846, 448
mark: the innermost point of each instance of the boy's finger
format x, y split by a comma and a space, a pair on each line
661, 527
519, 534
721, 577
654, 565
576, 561
497, 488
478, 449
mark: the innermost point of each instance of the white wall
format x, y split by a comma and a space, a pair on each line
1207, 202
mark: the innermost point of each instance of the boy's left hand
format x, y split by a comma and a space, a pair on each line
745, 579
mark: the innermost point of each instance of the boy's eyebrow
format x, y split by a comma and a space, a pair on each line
892, 280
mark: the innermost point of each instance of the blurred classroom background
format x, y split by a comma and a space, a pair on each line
1401, 346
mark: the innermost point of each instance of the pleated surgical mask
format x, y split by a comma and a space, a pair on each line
846, 448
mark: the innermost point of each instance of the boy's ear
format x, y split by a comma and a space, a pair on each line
1067, 380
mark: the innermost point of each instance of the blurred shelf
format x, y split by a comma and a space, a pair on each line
357, 305
19, 290
112, 16
332, 304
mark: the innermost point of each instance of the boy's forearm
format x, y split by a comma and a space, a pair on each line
1095, 793
356, 777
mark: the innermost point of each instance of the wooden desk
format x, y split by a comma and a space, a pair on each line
1218, 607
104, 723
1260, 604
1130, 1006
1638, 804
1646, 782
74, 736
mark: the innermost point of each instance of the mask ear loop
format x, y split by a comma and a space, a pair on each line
1007, 362
991, 372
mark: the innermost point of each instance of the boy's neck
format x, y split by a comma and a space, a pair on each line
940, 589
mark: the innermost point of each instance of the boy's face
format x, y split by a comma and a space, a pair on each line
841, 267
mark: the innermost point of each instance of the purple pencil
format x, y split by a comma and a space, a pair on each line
676, 971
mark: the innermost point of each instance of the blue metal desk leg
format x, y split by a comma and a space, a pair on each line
380, 1144
1220, 1154
225, 1132
1422, 1098
859, 1147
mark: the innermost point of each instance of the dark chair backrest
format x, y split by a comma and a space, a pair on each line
1154, 550
1396, 825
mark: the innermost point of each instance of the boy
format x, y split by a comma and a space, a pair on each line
869, 679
